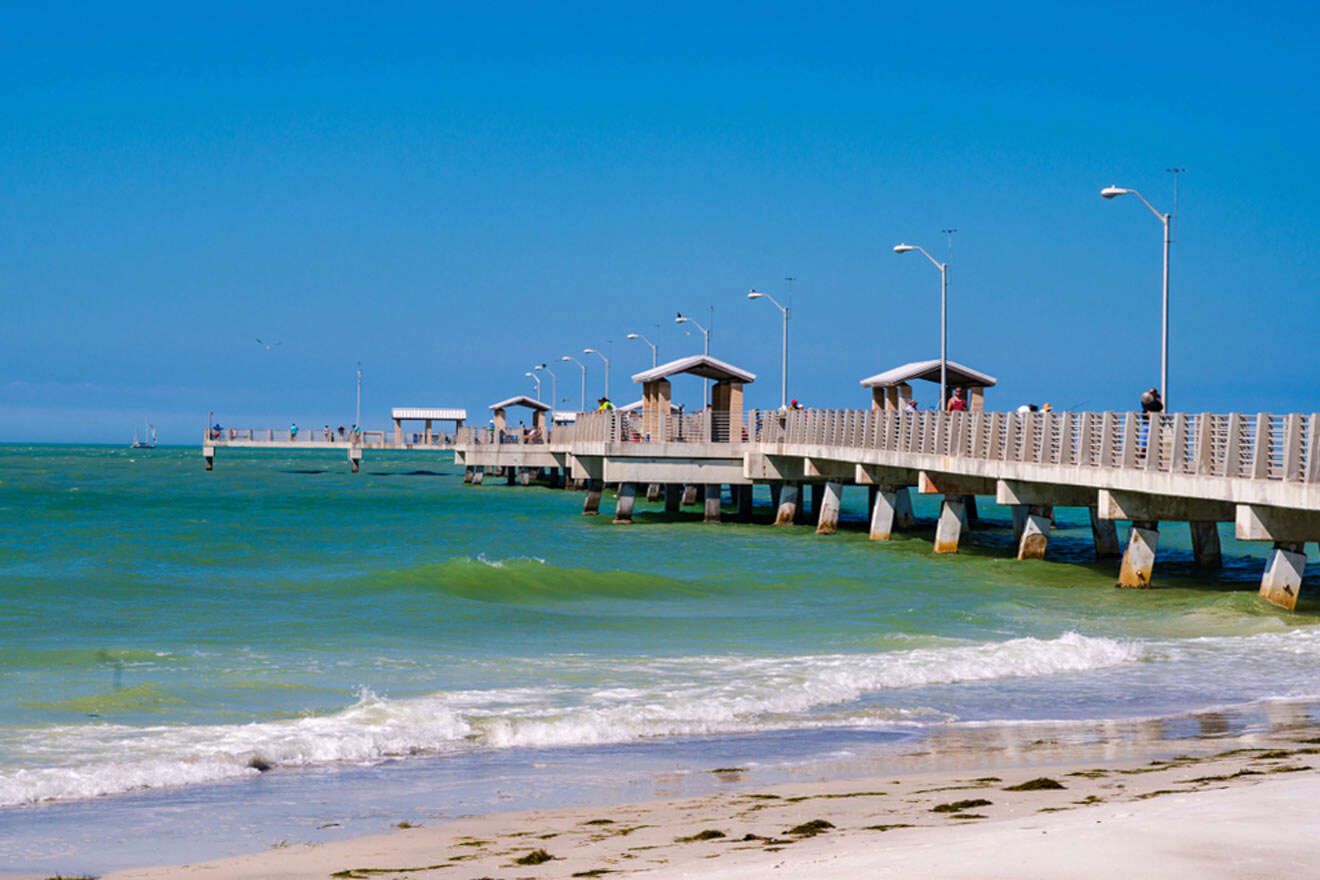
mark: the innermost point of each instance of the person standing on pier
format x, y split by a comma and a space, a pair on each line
293, 431
956, 402
1151, 402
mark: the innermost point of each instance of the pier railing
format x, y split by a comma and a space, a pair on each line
1261, 446
1254, 446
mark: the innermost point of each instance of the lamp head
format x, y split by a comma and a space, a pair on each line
903, 248
565, 358
529, 374
752, 294
590, 351
1110, 191
632, 335
681, 320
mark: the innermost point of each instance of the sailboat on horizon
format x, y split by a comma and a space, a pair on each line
148, 439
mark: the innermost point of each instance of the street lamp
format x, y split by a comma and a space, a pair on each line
582, 402
679, 319
783, 359
1110, 192
944, 315
607, 368
538, 384
654, 349
554, 390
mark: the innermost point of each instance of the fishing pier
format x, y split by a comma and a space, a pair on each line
1260, 472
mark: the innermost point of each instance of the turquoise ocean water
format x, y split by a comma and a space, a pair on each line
282, 632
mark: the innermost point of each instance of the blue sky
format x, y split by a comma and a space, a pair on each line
451, 195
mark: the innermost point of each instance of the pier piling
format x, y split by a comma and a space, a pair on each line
788, 503
623, 505
591, 505
827, 522
1139, 557
953, 517
1282, 580
714, 495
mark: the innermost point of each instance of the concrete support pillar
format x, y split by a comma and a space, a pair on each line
689, 495
426, 432
713, 497
786, 512
1105, 535
210, 461
1139, 557
1282, 581
479, 477
973, 516
623, 505
884, 508
776, 489
524, 476
510, 475
653, 492
398, 432
1035, 533
904, 518
467, 474
816, 490
1205, 545
591, 506
827, 521
1019, 523
744, 495
953, 518
673, 497
354, 457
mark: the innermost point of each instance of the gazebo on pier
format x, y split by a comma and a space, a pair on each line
726, 396
890, 389
539, 411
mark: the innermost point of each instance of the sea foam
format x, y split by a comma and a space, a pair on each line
636, 698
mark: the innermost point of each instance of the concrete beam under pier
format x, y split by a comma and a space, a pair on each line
1115, 504
935, 483
880, 475
1017, 492
1255, 522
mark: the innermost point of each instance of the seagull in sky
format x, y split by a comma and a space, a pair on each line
269, 345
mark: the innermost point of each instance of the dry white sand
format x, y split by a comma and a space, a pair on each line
1244, 808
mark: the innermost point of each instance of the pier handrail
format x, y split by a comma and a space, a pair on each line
1261, 446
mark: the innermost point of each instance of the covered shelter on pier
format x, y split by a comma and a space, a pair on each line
891, 389
726, 396
538, 409
427, 415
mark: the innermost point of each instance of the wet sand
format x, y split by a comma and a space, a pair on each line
1224, 806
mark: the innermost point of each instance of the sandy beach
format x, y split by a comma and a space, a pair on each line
1228, 807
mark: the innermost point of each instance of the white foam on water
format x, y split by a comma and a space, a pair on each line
583, 701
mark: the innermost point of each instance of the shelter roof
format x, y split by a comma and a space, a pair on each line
698, 365
930, 370
428, 412
521, 400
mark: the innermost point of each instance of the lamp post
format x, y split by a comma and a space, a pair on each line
944, 315
1110, 192
783, 358
538, 384
679, 319
582, 401
654, 349
357, 411
607, 369
554, 389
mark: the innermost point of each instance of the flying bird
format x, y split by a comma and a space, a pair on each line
269, 345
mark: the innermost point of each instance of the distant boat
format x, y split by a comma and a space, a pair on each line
148, 440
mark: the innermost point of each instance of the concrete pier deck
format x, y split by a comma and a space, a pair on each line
1260, 472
